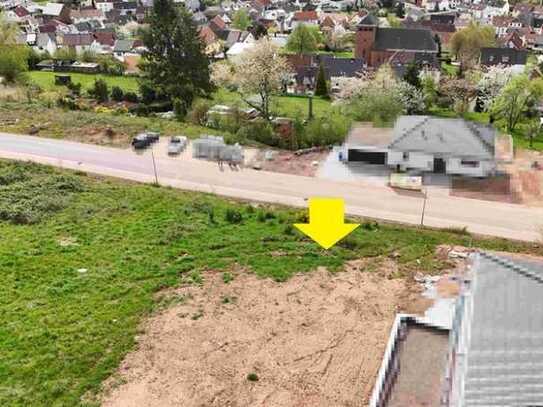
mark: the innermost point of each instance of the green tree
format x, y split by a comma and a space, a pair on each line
412, 75
321, 87
13, 62
515, 99
174, 63
241, 20
303, 40
466, 44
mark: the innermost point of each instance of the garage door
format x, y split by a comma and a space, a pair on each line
370, 157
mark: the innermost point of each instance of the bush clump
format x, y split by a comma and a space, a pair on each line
117, 94
233, 216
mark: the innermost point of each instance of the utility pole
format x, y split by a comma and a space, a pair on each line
423, 207
154, 165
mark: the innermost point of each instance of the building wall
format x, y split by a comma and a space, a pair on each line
413, 160
365, 38
483, 169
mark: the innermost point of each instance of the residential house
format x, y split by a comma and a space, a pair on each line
513, 39
304, 17
104, 5
78, 42
426, 144
378, 45
523, 12
503, 24
126, 8
496, 357
86, 15
105, 40
45, 43
305, 70
484, 347
192, 5
504, 56
122, 48
56, 11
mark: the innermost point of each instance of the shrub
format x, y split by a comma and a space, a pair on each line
100, 90
110, 65
288, 230
117, 94
258, 130
148, 93
179, 108
233, 216
75, 88
252, 377
68, 103
324, 131
131, 97
198, 112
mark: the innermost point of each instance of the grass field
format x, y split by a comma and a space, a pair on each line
81, 259
46, 80
88, 126
290, 106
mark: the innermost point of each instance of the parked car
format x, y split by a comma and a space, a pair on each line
176, 145
144, 140
153, 136
141, 141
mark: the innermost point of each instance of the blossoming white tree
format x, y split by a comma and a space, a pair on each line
491, 84
259, 71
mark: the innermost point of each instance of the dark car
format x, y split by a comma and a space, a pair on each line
153, 136
141, 141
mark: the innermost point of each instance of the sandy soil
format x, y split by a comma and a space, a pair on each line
522, 183
315, 340
287, 162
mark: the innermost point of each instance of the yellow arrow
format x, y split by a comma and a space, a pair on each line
326, 221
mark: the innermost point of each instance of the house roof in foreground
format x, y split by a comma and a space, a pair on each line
443, 136
505, 350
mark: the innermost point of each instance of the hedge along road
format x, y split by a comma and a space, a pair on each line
481, 217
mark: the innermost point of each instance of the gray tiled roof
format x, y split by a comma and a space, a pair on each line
413, 39
447, 137
505, 351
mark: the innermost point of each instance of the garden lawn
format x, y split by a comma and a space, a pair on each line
289, 106
76, 283
46, 80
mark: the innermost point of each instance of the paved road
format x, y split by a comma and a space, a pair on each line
487, 218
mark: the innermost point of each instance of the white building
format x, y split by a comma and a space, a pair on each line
427, 144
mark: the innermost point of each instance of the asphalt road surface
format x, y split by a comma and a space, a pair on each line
481, 217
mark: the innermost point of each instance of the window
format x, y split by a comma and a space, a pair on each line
505, 59
469, 163
406, 156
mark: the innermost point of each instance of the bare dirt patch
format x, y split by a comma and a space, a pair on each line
289, 163
521, 182
315, 340
498, 188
